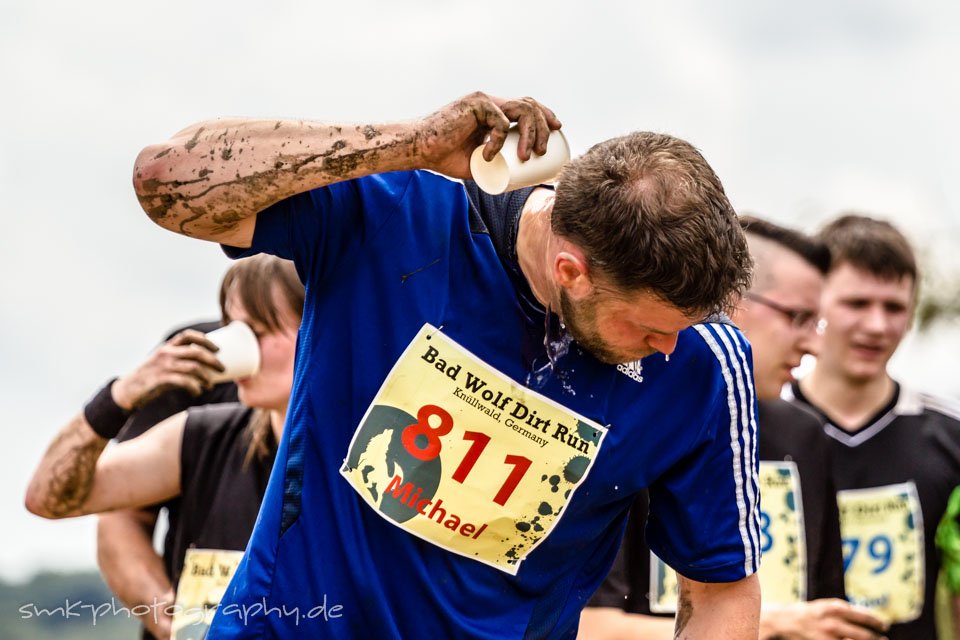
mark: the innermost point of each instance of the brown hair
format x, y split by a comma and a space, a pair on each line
813, 250
875, 246
255, 280
651, 215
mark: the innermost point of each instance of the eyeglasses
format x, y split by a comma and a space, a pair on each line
802, 319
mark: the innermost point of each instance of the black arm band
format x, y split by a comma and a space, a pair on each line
104, 415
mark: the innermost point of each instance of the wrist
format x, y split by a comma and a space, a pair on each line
121, 394
103, 414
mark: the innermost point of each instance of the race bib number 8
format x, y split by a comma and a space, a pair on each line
883, 556
458, 454
783, 571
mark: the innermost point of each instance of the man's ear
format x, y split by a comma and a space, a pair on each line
570, 271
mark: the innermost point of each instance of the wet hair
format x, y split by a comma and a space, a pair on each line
255, 280
872, 245
651, 215
813, 250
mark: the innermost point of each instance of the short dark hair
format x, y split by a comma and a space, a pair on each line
651, 215
813, 250
875, 246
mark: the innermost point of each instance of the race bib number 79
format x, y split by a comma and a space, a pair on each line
883, 557
458, 454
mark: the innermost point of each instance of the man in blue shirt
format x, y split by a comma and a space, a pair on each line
483, 384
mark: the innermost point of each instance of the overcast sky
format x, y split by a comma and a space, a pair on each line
804, 109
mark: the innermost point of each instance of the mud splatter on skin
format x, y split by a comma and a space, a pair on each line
153, 184
684, 613
163, 153
241, 192
369, 132
204, 173
276, 126
192, 142
71, 478
226, 154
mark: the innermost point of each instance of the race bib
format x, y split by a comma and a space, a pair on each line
883, 556
206, 574
783, 571
458, 454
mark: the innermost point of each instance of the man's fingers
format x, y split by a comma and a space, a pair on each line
537, 112
863, 618
197, 353
193, 385
192, 336
855, 632
543, 133
196, 370
552, 120
532, 126
497, 124
518, 111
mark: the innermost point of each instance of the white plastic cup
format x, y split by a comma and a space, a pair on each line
507, 172
239, 351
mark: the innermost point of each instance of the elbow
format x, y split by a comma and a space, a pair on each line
44, 502
36, 503
155, 196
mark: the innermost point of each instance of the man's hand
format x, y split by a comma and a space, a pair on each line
824, 619
186, 361
159, 621
446, 139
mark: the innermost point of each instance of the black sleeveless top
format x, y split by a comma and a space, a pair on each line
220, 495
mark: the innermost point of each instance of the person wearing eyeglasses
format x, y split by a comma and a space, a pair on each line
801, 576
896, 452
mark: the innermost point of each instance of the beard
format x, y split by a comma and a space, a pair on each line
580, 320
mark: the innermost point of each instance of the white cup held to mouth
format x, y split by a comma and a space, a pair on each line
507, 172
239, 351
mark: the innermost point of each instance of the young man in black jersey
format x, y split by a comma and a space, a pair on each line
896, 452
802, 573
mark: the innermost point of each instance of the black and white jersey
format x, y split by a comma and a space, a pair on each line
800, 532
894, 475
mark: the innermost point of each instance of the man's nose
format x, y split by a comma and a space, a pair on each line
875, 319
664, 343
808, 337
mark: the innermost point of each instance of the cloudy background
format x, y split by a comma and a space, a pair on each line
804, 109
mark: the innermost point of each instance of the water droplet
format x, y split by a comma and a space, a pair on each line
556, 344
666, 358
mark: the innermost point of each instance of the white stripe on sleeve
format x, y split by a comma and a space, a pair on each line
747, 532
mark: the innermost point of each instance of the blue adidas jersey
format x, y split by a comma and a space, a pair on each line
434, 479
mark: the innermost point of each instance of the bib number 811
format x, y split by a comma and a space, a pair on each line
422, 441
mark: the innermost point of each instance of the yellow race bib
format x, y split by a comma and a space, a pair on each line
883, 556
458, 454
206, 574
783, 542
